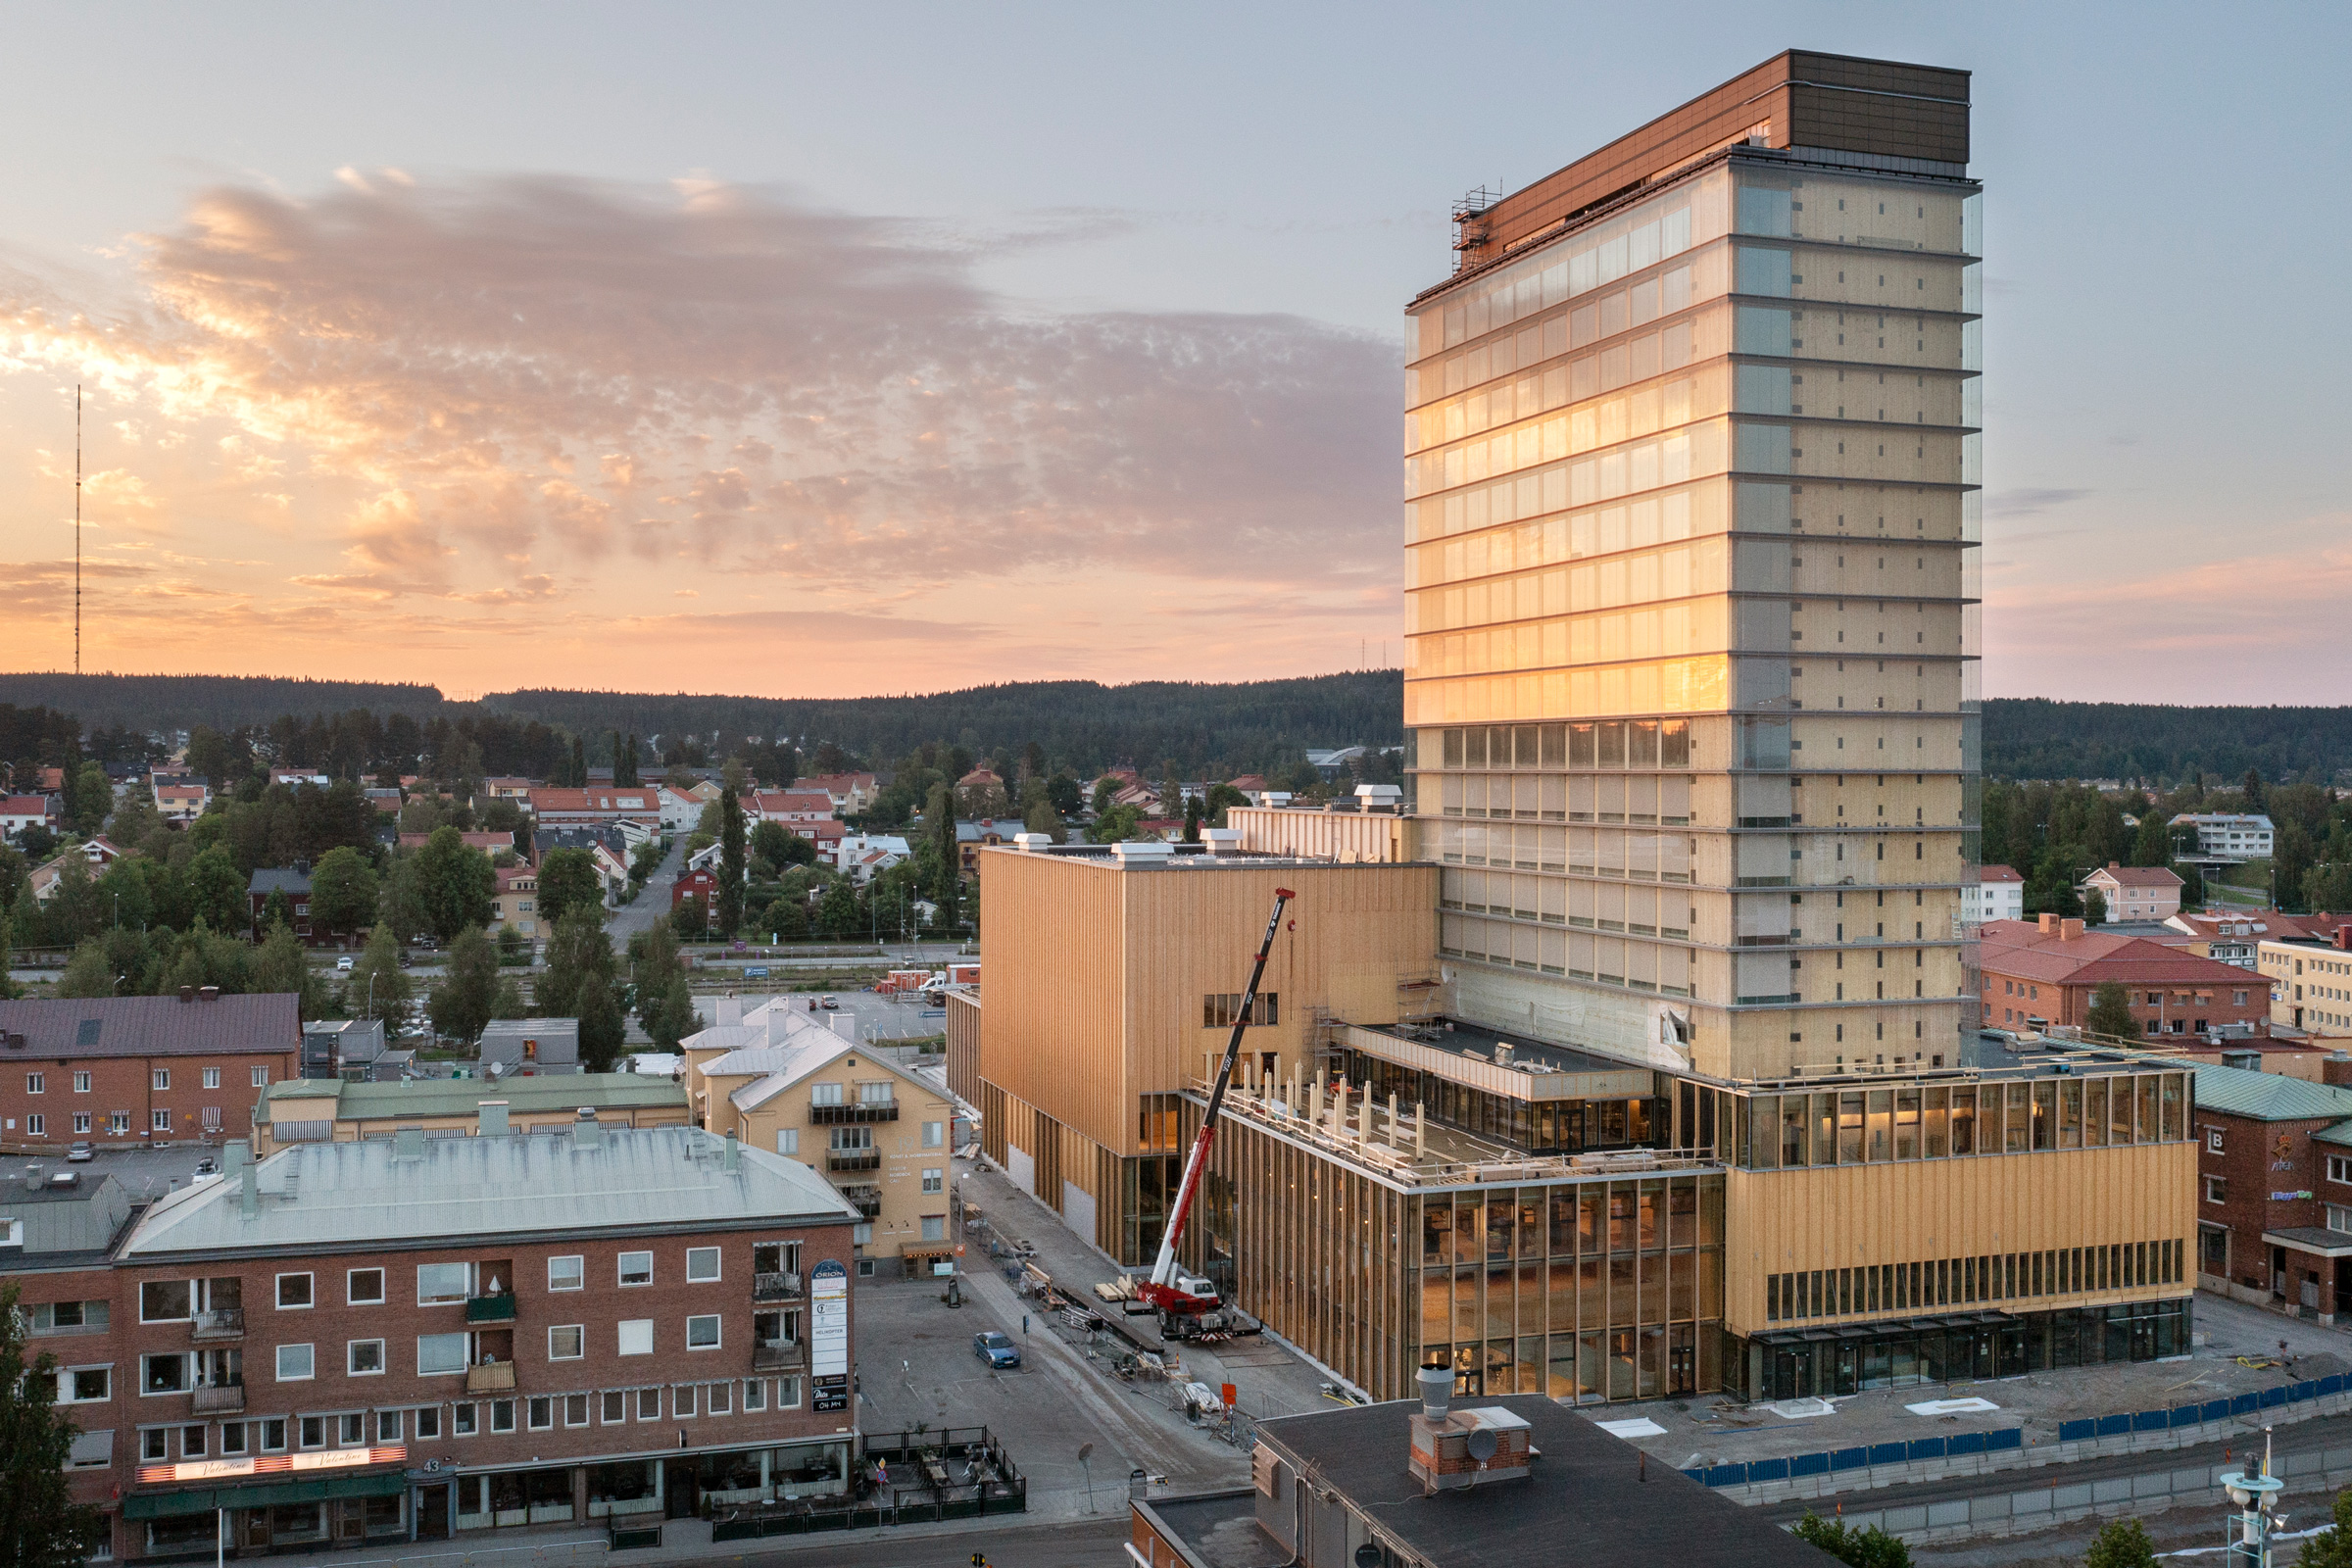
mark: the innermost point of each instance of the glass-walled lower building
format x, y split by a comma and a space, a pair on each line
1524, 1274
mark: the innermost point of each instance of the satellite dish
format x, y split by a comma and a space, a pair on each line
1483, 1443
1367, 1555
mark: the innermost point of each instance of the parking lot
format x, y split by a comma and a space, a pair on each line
147, 1172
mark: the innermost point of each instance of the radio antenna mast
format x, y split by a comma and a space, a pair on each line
77, 528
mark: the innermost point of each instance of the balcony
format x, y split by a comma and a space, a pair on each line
220, 1398
779, 1355
499, 1309
838, 1115
853, 1159
490, 1377
867, 1200
227, 1323
776, 1286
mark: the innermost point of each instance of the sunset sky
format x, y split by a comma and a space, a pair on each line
828, 351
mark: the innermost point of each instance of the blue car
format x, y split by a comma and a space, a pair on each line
996, 1350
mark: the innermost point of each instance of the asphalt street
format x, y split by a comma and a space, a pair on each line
652, 901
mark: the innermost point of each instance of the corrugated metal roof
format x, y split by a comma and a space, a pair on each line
2267, 1096
462, 1097
155, 1026
459, 1189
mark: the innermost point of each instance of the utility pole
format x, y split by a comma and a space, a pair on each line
77, 528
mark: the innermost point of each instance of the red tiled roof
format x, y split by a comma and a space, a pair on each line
1998, 873
2022, 950
2137, 876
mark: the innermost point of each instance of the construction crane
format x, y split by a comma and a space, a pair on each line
1186, 1301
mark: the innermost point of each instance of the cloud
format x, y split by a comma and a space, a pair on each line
2028, 503
467, 377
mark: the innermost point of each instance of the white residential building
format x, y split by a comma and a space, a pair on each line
1999, 895
2228, 836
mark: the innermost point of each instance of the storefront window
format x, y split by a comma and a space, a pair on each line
626, 1487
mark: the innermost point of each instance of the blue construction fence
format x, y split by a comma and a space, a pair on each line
1961, 1445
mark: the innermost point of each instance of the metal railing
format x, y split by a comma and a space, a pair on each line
499, 1309
223, 1323
778, 1287
218, 1398
855, 1159
779, 1355
864, 1111
490, 1377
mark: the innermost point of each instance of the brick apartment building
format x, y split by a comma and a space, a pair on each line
2275, 1188
444, 1339
2045, 972
125, 1071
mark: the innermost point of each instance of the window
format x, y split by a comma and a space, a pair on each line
576, 1409
649, 1404
1220, 1010
159, 1121
81, 1121
465, 1420
637, 1336
566, 1342
935, 1227
440, 1352
720, 1399
615, 1404
702, 1264
754, 1395
388, 1426
82, 1083
212, 1077
363, 1287
541, 1412
2213, 1139
564, 1273
65, 1317
351, 1429
85, 1385
155, 1443
824, 1094
701, 1332
935, 1134
273, 1434
296, 1363
36, 1126
788, 1394
232, 1436
36, 1082
502, 1415
934, 1181
192, 1441
260, 1077
2339, 1217
2217, 1189
117, 1121
681, 1400
367, 1358
636, 1268
2339, 1169
788, 1141
875, 1093
293, 1291
440, 1284
161, 1078
428, 1421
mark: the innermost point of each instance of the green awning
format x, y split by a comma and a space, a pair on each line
261, 1494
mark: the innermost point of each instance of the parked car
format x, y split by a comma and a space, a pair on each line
208, 1167
344, 963
829, 1004
996, 1350
79, 1152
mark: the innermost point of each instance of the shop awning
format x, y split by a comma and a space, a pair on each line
926, 1249
261, 1494
2314, 1240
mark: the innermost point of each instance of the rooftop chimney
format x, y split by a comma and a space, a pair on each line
733, 1162
493, 1123
187, 992
2068, 930
1436, 1390
2048, 923
1453, 1449
209, 993
249, 1190
1220, 840
408, 1144
587, 1133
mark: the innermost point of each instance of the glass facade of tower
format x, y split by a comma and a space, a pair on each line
1689, 524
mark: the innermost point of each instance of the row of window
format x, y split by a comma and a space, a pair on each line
1852, 1127
437, 1284
37, 1124
1937, 1283
37, 1083
430, 1423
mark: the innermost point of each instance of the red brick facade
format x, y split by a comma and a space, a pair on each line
131, 1101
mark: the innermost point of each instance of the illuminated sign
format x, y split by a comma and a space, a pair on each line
272, 1464
828, 1319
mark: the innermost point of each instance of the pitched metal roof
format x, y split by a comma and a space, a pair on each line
442, 1191
279, 880
154, 1026
463, 1097
2267, 1096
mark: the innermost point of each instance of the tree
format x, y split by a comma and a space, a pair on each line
672, 1016
1105, 789
216, 892
567, 881
1857, 1548
507, 1002
1065, 794
88, 797
280, 965
2111, 1011
455, 886
1116, 825
1192, 819
580, 983
378, 988
462, 1002
1221, 798
2333, 1549
837, 914
579, 765
88, 972
344, 889
624, 762
41, 1526
947, 872
2094, 906
2254, 790
2290, 862
2124, 1543
276, 910
2152, 845
730, 863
